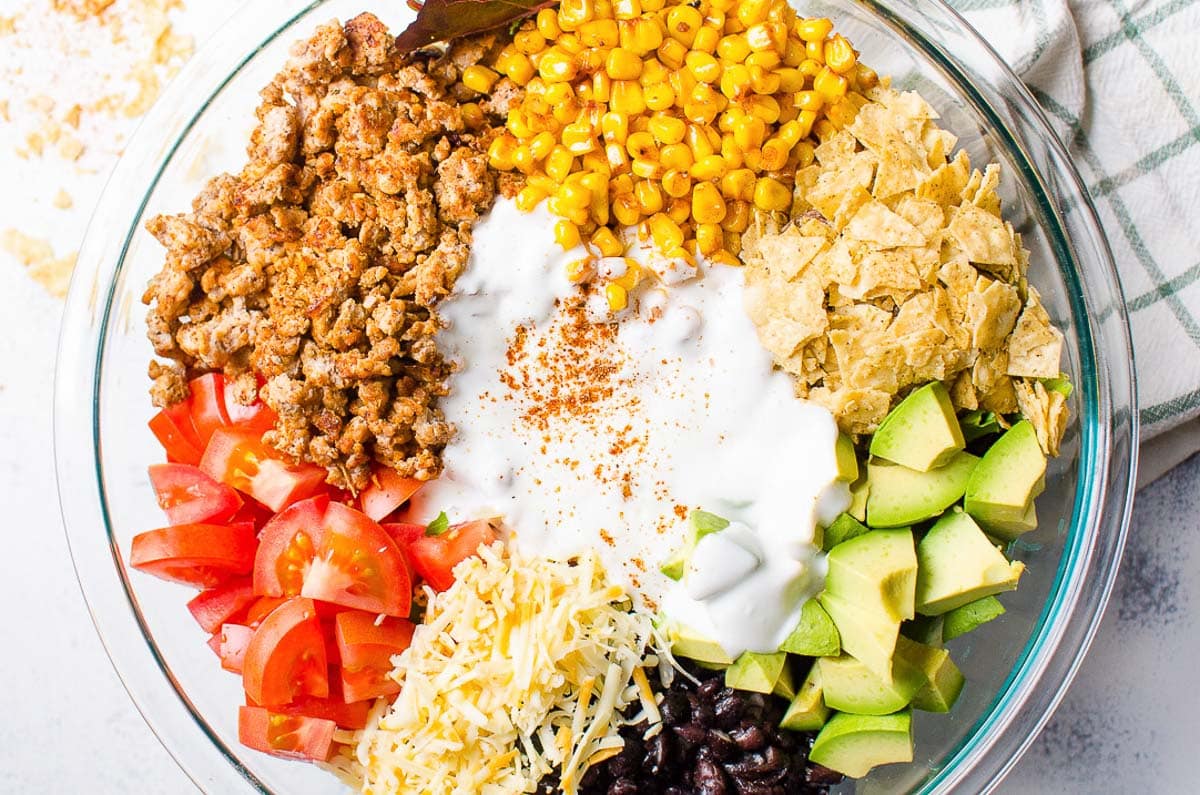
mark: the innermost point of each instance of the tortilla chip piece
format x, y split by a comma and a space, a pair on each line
1046, 410
928, 217
945, 185
787, 313
962, 392
983, 237
1035, 346
991, 313
787, 254
875, 223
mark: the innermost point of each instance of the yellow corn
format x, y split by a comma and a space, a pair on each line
764, 107
767, 59
479, 78
735, 81
775, 154
653, 73
547, 24
631, 277
640, 36
573, 196
677, 157
830, 84
814, 29
578, 139
703, 66
738, 184
699, 142
679, 210
617, 157
704, 104
472, 115
709, 238
764, 82
672, 52
529, 197
627, 97
810, 68
767, 37
625, 210
617, 297
794, 52
823, 129
683, 22
626, 9
623, 64
749, 132
607, 242
523, 160
501, 151
789, 133
724, 258
708, 206
614, 127
646, 169
750, 12
839, 55
815, 51
566, 234
865, 77
558, 93
557, 66
665, 232
707, 38
771, 195
841, 113
640, 145
791, 80
649, 196
709, 167
804, 154
809, 100
733, 48
730, 152
529, 41
599, 33
559, 163
659, 96
573, 13
517, 67
650, 6
737, 216
579, 270
667, 129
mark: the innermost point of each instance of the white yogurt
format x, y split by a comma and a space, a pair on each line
606, 436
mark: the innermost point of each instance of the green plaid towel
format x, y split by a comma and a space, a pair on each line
1120, 79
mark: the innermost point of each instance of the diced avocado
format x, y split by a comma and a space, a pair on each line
847, 459
877, 570
860, 491
979, 423
815, 635
1010, 475
962, 620
868, 635
943, 680
901, 496
843, 528
758, 673
922, 432
785, 685
702, 523
853, 744
850, 686
807, 712
924, 629
1062, 385
686, 642
957, 564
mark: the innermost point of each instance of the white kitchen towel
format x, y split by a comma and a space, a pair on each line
1120, 79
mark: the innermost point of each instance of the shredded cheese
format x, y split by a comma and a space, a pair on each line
522, 667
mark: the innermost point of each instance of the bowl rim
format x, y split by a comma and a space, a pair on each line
1108, 440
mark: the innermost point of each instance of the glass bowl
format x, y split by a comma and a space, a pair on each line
1017, 667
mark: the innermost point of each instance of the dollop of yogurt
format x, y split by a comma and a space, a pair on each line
606, 435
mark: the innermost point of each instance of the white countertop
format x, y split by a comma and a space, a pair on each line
1128, 723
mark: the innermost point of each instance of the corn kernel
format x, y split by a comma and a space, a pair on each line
814, 29
704, 67
710, 167
767, 37
839, 55
579, 270
599, 33
730, 152
547, 24
752, 158
699, 142
626, 9
614, 127
815, 51
529, 197
573, 13
762, 81
804, 154
479, 78
621, 185
557, 66
810, 68
830, 84
708, 206
672, 52
559, 163
771, 195
472, 115
646, 169
529, 41
566, 234
749, 132
766, 59
750, 12
737, 217
651, 6
573, 196
683, 22
775, 154
627, 98
733, 48
667, 129
682, 82
501, 151
659, 96
617, 157
677, 157
790, 80
640, 36
724, 258
763, 106
558, 93
625, 210
707, 38
641, 145
679, 210
517, 67
704, 104
794, 52
617, 297
865, 77
735, 81
841, 113
823, 129
676, 184
623, 64
808, 100
578, 139
738, 184
649, 196
709, 238
607, 242
665, 232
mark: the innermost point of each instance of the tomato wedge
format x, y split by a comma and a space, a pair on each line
387, 492
367, 647
239, 458
173, 429
434, 557
351, 716
235, 639
258, 416
404, 533
206, 555
328, 551
214, 607
187, 495
286, 657
288, 736
208, 405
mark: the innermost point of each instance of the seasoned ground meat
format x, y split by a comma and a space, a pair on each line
318, 268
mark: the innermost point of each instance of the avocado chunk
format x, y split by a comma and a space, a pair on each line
924, 629
867, 635
852, 687
807, 712
758, 673
686, 642
979, 423
701, 524
943, 680
815, 635
860, 491
877, 570
922, 432
1001, 490
843, 528
901, 496
957, 564
847, 459
853, 744
962, 620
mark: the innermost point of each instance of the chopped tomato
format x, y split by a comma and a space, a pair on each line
366, 646
387, 492
240, 459
333, 553
235, 639
367, 683
187, 495
208, 405
206, 555
289, 736
286, 657
263, 608
434, 557
181, 443
258, 416
404, 533
254, 512
214, 643
351, 716
214, 607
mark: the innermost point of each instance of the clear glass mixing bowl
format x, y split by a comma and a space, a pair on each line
1017, 667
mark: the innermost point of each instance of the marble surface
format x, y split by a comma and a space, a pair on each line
1128, 724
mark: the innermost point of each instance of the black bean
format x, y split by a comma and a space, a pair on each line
728, 710
675, 708
722, 745
708, 779
691, 736
749, 736
658, 753
710, 687
702, 713
623, 786
821, 776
